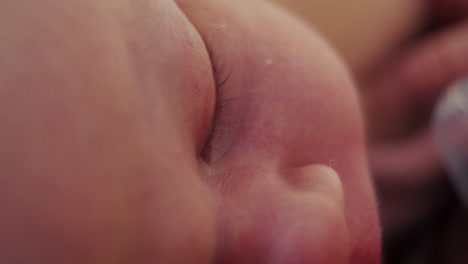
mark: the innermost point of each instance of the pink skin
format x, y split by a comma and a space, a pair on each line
105, 151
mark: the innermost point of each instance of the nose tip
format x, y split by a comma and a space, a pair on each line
317, 179
322, 234
300, 220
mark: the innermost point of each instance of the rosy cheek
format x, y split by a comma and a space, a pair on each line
299, 109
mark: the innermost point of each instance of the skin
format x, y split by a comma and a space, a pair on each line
115, 148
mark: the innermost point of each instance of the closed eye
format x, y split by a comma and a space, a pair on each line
219, 116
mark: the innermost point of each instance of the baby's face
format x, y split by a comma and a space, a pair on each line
277, 104
209, 131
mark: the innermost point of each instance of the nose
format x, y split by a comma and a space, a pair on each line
321, 236
318, 179
291, 216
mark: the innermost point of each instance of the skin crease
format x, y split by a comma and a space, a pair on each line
102, 143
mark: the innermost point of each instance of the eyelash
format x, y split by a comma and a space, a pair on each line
220, 103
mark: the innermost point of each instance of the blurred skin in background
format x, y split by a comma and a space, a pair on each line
177, 132
364, 32
403, 55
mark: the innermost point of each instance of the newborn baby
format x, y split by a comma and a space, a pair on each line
181, 131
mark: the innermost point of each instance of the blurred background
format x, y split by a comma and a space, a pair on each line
403, 55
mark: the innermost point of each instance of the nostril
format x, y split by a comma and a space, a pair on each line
317, 179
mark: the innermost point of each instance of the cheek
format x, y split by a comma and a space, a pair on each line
316, 119
303, 109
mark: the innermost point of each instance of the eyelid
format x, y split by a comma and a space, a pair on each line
222, 120
220, 84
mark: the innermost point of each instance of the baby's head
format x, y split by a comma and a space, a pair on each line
207, 130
